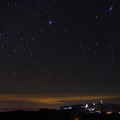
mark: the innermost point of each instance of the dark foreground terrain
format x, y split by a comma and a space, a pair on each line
57, 115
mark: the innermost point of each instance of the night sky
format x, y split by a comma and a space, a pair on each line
56, 52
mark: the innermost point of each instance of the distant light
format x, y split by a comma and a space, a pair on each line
98, 111
92, 109
118, 112
93, 103
109, 112
86, 106
101, 101
66, 108
50, 22
69, 107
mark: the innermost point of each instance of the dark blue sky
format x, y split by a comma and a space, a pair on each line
69, 47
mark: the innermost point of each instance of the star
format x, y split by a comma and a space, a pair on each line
111, 7
50, 22
59, 44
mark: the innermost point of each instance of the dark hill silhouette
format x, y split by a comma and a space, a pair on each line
56, 115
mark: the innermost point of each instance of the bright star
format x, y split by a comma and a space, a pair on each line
50, 22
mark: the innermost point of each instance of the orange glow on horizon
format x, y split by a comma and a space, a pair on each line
50, 100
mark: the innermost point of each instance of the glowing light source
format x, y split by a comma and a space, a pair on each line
66, 108
109, 112
101, 101
93, 103
50, 22
92, 109
86, 106
98, 111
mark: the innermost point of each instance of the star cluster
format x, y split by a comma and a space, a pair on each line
57, 47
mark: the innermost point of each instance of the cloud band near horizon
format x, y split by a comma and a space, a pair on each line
51, 100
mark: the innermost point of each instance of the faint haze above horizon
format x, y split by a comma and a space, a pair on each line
55, 102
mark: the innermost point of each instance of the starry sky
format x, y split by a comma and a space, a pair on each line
55, 52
